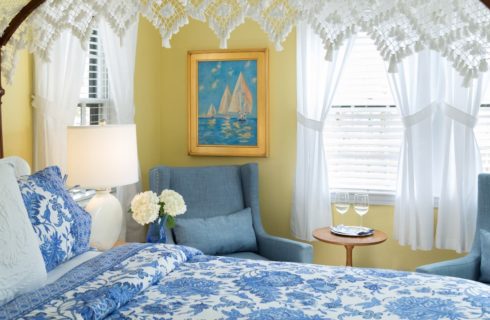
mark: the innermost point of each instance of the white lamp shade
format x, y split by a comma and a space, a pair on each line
102, 157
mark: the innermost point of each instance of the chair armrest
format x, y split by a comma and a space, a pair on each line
281, 249
467, 267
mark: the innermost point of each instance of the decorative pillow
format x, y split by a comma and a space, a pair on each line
21, 263
62, 226
218, 235
485, 256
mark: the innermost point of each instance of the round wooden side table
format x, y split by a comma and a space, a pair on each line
324, 235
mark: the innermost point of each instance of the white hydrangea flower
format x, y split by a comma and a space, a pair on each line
173, 203
145, 207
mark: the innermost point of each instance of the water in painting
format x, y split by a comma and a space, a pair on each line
227, 103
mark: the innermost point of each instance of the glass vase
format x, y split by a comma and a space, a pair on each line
157, 231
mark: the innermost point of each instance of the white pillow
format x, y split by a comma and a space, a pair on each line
21, 263
21, 167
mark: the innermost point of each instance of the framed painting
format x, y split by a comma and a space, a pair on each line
228, 103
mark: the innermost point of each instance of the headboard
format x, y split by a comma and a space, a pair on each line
20, 166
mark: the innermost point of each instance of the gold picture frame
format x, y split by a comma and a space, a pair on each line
228, 103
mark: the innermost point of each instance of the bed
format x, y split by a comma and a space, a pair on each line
162, 281
54, 274
168, 281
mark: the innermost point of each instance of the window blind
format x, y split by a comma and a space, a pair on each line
363, 145
92, 106
364, 79
364, 131
95, 84
482, 133
482, 130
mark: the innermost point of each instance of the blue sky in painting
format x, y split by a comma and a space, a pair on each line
213, 76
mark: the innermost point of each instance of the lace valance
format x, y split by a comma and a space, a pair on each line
8, 9
458, 29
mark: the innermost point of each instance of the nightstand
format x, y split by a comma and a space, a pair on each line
81, 196
119, 243
324, 235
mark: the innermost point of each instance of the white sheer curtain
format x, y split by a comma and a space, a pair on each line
120, 56
458, 156
56, 92
416, 90
317, 81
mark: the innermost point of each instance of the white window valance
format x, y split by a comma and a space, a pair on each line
459, 29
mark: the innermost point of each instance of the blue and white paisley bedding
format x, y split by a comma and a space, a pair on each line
142, 281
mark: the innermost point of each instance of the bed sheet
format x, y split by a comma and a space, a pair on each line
64, 268
143, 281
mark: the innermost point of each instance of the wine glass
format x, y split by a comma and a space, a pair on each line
361, 204
341, 201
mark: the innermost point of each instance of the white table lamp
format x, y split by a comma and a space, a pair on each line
102, 157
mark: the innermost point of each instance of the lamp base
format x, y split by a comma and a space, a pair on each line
106, 212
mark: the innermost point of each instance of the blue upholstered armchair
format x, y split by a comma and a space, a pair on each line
468, 267
219, 191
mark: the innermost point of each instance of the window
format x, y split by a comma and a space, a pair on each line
364, 130
92, 107
482, 131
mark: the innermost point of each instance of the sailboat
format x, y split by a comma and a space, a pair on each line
225, 103
241, 100
211, 112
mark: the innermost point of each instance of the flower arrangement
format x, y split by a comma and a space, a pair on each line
147, 207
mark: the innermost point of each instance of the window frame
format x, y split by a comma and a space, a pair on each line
363, 73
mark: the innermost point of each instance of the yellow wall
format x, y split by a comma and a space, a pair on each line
277, 171
161, 117
17, 111
148, 98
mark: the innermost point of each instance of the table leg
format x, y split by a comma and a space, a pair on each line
348, 253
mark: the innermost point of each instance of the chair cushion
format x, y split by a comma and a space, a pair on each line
62, 226
218, 235
21, 263
208, 191
485, 256
246, 255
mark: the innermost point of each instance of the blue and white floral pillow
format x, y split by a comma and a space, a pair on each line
62, 226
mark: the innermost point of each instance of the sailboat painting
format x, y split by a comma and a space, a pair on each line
228, 105
231, 85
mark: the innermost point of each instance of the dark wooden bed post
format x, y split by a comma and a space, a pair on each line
2, 92
7, 34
